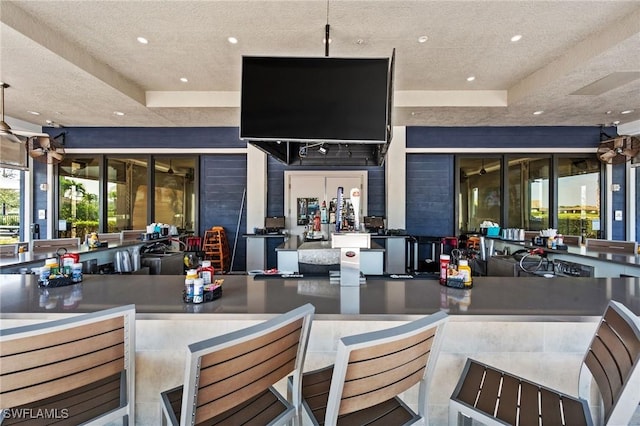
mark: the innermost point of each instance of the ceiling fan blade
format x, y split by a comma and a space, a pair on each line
608, 155
630, 152
38, 152
57, 155
619, 142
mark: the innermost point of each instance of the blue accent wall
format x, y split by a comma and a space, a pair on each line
223, 180
150, 137
429, 198
503, 137
619, 202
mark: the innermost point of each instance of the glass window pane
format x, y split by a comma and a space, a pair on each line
529, 193
127, 193
480, 195
10, 205
78, 189
174, 191
579, 196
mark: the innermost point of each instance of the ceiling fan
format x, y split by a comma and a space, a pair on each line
6, 133
618, 150
46, 149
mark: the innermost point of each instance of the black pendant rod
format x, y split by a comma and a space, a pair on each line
326, 40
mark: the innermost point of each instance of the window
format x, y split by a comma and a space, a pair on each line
536, 195
529, 193
127, 193
480, 192
174, 193
579, 196
116, 197
78, 191
10, 205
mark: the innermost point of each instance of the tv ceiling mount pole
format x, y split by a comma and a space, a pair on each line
326, 33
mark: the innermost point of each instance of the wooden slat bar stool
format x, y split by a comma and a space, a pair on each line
369, 373
79, 370
495, 397
229, 379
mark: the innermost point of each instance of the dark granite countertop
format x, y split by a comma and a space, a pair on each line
492, 298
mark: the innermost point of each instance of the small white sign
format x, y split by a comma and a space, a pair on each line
618, 215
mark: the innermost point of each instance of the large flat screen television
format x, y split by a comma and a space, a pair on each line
315, 99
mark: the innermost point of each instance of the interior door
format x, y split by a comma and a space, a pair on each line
322, 185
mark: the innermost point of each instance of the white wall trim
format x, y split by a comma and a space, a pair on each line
631, 202
609, 199
396, 180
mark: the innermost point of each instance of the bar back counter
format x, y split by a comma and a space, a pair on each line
536, 327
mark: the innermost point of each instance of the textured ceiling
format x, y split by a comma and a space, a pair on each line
76, 62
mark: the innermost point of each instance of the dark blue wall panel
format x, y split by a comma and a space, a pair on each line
40, 197
150, 137
223, 180
429, 204
503, 137
619, 202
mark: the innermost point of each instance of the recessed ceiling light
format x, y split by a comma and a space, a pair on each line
33, 112
538, 112
615, 123
626, 111
423, 39
142, 40
118, 113
471, 78
184, 79
608, 112
232, 40
359, 41
516, 37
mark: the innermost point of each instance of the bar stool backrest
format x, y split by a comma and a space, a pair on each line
41, 362
613, 360
374, 367
225, 371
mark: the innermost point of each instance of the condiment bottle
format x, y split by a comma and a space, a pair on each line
444, 265
192, 274
52, 263
206, 272
198, 290
465, 270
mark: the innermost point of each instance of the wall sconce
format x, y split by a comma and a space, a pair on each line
44, 187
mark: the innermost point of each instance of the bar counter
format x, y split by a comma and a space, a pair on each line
534, 327
248, 297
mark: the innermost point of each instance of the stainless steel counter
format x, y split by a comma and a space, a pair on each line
246, 297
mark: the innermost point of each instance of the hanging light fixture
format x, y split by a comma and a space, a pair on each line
170, 171
482, 170
5, 131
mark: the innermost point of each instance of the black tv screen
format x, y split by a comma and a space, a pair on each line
314, 99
